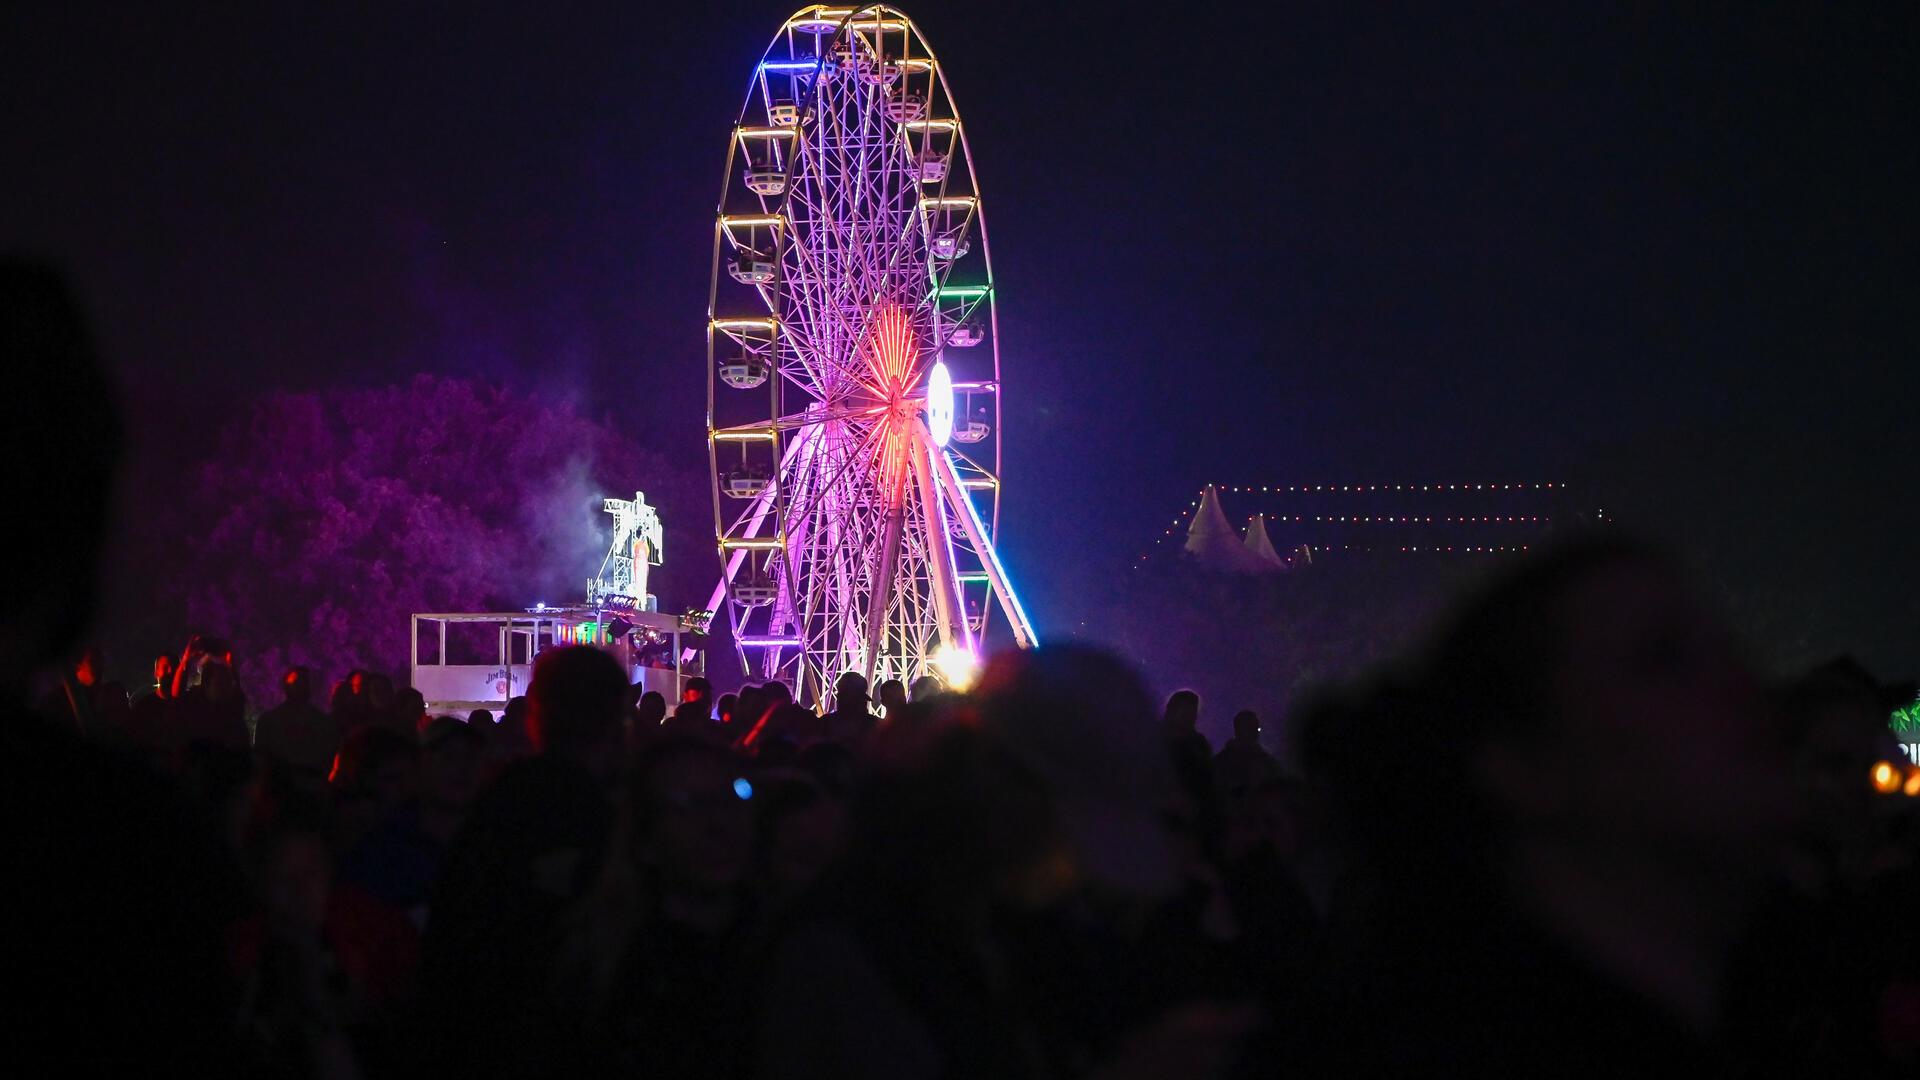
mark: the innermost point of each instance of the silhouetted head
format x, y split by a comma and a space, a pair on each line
218, 682
575, 702
893, 697
726, 707
380, 695
777, 692
378, 764
90, 668
450, 762
1182, 711
850, 691
700, 690
481, 719
751, 706
297, 683
1583, 698
926, 688
953, 825
217, 650
410, 709
1246, 726
652, 709
1083, 722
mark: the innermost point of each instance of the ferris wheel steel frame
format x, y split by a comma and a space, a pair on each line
851, 276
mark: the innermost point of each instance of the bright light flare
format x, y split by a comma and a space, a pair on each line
958, 667
940, 404
1886, 778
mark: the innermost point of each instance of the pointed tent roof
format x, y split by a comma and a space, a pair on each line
1214, 541
1209, 534
1260, 546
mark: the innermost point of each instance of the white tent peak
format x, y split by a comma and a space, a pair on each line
1259, 545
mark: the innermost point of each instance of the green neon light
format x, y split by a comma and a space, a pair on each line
1906, 721
962, 292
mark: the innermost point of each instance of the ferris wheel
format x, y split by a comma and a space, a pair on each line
853, 362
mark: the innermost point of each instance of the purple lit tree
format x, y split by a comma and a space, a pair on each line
327, 518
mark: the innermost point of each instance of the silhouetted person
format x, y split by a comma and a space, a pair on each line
850, 722
481, 719
652, 710
398, 860
748, 709
700, 692
893, 699
780, 719
926, 688
347, 704
653, 952
894, 969
214, 709
375, 774
510, 741
1243, 764
1565, 808
801, 833
295, 732
528, 850
151, 709
71, 700
379, 695
1181, 717
114, 923
409, 712
690, 720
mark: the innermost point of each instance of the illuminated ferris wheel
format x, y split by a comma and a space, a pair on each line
854, 399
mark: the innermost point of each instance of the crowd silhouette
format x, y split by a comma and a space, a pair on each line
1571, 833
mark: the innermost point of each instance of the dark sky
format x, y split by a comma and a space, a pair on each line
1656, 252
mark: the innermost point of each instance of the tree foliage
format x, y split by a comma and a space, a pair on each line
327, 518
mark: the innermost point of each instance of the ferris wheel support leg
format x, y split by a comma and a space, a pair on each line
883, 588
954, 632
977, 534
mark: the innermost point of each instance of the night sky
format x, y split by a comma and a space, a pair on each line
1667, 256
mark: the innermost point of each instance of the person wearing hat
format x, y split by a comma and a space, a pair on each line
850, 723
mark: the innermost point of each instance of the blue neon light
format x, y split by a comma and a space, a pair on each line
790, 67
994, 556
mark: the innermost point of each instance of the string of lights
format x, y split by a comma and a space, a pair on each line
1178, 524
1310, 489
1409, 519
1320, 550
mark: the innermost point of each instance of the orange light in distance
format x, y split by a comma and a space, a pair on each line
1886, 778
